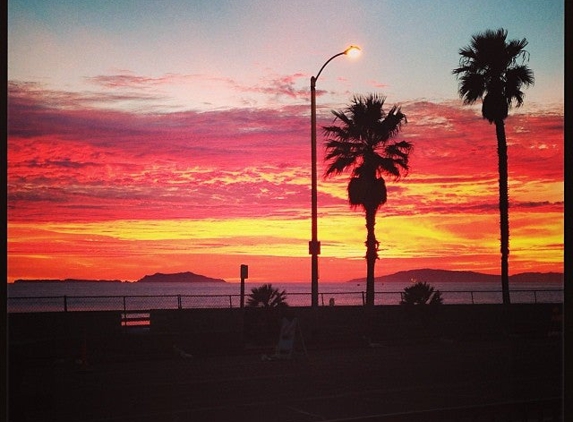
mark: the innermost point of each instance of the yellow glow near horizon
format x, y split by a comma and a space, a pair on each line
342, 236
145, 230
127, 249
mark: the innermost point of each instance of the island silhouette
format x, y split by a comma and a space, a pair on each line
446, 276
426, 275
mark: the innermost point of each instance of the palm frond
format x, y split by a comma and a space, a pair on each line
339, 165
488, 70
391, 125
515, 78
361, 142
266, 296
389, 166
399, 150
472, 87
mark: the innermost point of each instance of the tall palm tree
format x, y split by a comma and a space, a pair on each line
493, 70
362, 143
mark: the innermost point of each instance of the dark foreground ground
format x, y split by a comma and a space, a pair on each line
431, 380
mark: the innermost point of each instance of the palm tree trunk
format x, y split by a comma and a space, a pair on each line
371, 255
503, 208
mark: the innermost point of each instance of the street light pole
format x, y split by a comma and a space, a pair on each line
314, 244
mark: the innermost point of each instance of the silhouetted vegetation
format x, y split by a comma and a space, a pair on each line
266, 296
362, 143
421, 293
266, 306
489, 70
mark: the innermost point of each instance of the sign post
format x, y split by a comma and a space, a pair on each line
244, 275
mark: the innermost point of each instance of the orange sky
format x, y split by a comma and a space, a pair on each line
175, 136
107, 194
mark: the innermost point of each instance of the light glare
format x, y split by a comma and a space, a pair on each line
353, 51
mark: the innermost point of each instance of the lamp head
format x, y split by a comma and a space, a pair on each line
352, 51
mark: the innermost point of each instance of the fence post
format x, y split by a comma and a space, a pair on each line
65, 303
179, 305
472, 295
124, 312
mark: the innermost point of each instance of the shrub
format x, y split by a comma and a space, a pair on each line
266, 296
421, 293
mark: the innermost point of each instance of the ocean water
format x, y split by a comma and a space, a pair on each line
54, 297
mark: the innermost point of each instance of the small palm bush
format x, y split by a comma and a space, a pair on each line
266, 296
421, 293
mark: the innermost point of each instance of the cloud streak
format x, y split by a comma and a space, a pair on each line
236, 182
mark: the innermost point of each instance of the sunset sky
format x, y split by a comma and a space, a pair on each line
168, 136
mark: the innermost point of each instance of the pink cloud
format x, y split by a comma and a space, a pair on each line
69, 161
112, 154
127, 86
377, 85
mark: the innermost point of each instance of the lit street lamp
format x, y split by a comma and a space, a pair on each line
314, 244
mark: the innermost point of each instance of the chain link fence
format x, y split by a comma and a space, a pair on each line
139, 303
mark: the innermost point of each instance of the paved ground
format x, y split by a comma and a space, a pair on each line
324, 385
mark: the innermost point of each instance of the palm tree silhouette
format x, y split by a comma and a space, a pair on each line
421, 293
362, 143
489, 70
266, 296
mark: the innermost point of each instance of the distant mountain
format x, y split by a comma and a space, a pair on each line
186, 277
541, 277
445, 276
67, 280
